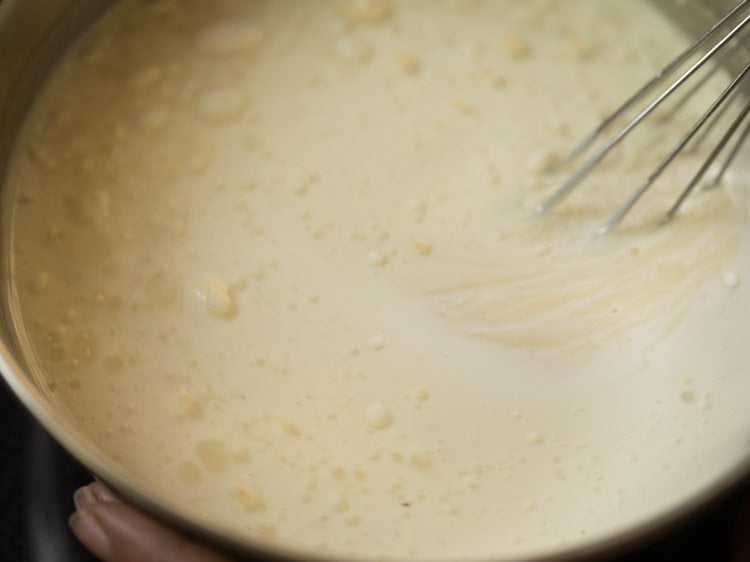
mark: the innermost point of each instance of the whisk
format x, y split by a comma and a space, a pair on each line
720, 40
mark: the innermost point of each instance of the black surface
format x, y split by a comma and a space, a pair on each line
37, 481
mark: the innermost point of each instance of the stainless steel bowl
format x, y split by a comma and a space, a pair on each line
33, 34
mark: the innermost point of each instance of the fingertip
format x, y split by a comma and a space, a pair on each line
102, 491
88, 529
115, 532
84, 497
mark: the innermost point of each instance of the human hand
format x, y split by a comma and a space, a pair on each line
115, 532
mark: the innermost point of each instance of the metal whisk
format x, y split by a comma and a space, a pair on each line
718, 41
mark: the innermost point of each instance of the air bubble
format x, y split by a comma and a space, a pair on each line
534, 437
216, 297
212, 454
338, 473
189, 473
376, 343
83, 348
416, 209
731, 280
687, 396
422, 461
421, 394
542, 162
39, 282
378, 415
516, 47
267, 530
287, 426
339, 504
409, 64
189, 406
705, 401
423, 247
248, 498
377, 258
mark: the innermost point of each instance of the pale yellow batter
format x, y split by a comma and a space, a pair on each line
280, 260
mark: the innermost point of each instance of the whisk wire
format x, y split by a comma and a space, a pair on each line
672, 65
721, 59
715, 119
664, 164
710, 160
732, 155
710, 116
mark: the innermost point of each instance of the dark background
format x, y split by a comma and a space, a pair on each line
37, 481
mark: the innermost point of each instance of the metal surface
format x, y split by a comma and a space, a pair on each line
33, 34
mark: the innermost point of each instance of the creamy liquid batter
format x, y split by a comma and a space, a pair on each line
280, 260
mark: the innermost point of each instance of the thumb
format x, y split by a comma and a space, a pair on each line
115, 532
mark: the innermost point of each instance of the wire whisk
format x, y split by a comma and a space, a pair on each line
722, 39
